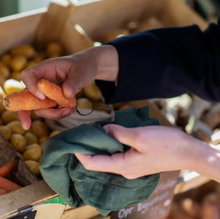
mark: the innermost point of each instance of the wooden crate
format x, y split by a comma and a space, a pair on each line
97, 18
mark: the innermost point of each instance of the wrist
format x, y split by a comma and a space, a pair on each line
201, 158
106, 58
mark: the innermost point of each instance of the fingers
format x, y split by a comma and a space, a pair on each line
31, 76
119, 163
24, 117
55, 114
127, 136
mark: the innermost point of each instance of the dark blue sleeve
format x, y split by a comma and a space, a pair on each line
166, 62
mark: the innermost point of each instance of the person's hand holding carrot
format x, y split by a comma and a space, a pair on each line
72, 73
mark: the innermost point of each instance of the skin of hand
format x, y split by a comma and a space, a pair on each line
155, 149
72, 73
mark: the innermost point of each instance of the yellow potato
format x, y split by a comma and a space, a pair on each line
4, 71
39, 57
34, 116
16, 127
18, 62
39, 128
33, 166
18, 142
6, 59
83, 103
42, 146
2, 108
6, 132
31, 138
53, 55
9, 116
92, 92
54, 48
55, 132
30, 63
2, 80
15, 75
33, 154
25, 50
34, 146
12, 85
79, 94
43, 139
100, 106
1, 123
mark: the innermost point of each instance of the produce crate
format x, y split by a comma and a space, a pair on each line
76, 28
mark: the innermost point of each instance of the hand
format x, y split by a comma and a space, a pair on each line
72, 73
153, 149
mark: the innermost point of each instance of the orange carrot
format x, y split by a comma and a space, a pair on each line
8, 185
8, 167
3, 191
25, 100
54, 92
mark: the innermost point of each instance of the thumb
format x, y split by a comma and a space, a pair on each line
127, 136
71, 85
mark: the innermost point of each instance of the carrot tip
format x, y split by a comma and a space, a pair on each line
6, 103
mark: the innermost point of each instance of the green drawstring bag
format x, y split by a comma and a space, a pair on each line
77, 186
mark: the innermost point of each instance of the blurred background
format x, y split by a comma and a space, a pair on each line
208, 9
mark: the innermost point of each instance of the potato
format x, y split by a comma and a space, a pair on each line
18, 142
39, 128
33, 154
31, 138
100, 106
1, 123
54, 48
55, 132
39, 57
53, 55
18, 62
4, 71
2, 108
34, 116
5, 59
79, 94
30, 63
12, 85
43, 139
33, 166
2, 80
92, 92
6, 132
31, 146
15, 75
83, 103
24, 50
9, 116
16, 127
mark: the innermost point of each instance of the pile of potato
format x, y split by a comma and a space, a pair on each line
29, 144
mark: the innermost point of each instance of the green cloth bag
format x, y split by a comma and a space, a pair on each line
77, 186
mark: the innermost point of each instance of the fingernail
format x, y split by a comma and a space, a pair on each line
71, 90
67, 113
106, 128
40, 95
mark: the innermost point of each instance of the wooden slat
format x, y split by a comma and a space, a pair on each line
30, 195
19, 29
